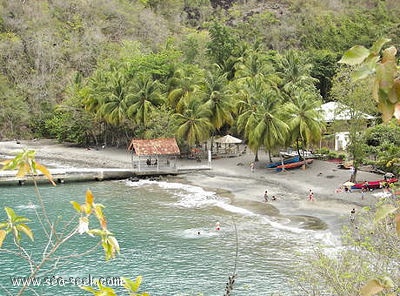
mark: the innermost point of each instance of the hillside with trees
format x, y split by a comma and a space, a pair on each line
94, 72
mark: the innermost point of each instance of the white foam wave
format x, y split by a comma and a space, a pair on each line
281, 226
29, 207
327, 238
190, 196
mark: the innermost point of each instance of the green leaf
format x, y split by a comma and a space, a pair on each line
102, 291
132, 286
45, 172
355, 55
99, 214
107, 250
363, 72
3, 234
383, 211
76, 206
114, 243
97, 232
3, 225
21, 219
25, 229
10, 214
377, 46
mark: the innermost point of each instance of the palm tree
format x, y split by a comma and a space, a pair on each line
217, 99
114, 99
146, 95
182, 86
260, 116
304, 118
194, 124
295, 72
271, 130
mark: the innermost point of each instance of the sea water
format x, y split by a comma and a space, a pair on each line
167, 234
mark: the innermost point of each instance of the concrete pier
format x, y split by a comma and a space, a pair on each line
93, 174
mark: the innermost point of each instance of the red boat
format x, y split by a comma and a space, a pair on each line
374, 184
294, 164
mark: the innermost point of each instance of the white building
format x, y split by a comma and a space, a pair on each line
334, 111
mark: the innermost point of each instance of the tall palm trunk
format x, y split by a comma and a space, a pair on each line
256, 156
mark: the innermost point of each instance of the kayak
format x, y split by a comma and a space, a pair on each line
294, 164
374, 184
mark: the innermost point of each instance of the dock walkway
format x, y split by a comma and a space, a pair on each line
96, 174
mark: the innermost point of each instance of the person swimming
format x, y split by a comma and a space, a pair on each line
217, 226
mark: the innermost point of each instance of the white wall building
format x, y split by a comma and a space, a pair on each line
334, 111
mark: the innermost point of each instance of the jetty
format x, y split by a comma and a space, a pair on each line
96, 174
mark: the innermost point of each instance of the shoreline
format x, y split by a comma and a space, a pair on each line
231, 177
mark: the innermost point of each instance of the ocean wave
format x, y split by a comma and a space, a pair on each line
190, 196
28, 207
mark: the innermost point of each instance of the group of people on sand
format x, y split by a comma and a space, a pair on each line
266, 198
311, 198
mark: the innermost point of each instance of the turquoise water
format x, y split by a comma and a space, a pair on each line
157, 225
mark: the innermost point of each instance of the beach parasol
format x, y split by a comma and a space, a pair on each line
348, 184
228, 139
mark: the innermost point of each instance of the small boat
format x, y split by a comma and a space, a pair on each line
374, 184
285, 161
294, 165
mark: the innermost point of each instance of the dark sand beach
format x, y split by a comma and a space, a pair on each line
231, 176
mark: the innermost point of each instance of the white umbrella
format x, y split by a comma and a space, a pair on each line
228, 139
348, 184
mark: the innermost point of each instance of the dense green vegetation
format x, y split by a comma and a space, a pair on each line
93, 72
104, 71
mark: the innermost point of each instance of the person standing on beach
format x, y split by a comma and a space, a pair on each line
352, 215
311, 195
266, 196
252, 167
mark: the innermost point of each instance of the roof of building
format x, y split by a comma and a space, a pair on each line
336, 111
161, 146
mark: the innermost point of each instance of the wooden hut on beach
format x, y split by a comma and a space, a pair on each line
154, 154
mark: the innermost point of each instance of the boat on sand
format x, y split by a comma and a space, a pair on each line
294, 164
285, 161
374, 184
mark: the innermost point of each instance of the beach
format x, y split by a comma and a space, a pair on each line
168, 232
231, 176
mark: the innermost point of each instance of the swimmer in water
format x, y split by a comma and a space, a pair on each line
217, 226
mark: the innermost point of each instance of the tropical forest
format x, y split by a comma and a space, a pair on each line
95, 73
103, 72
